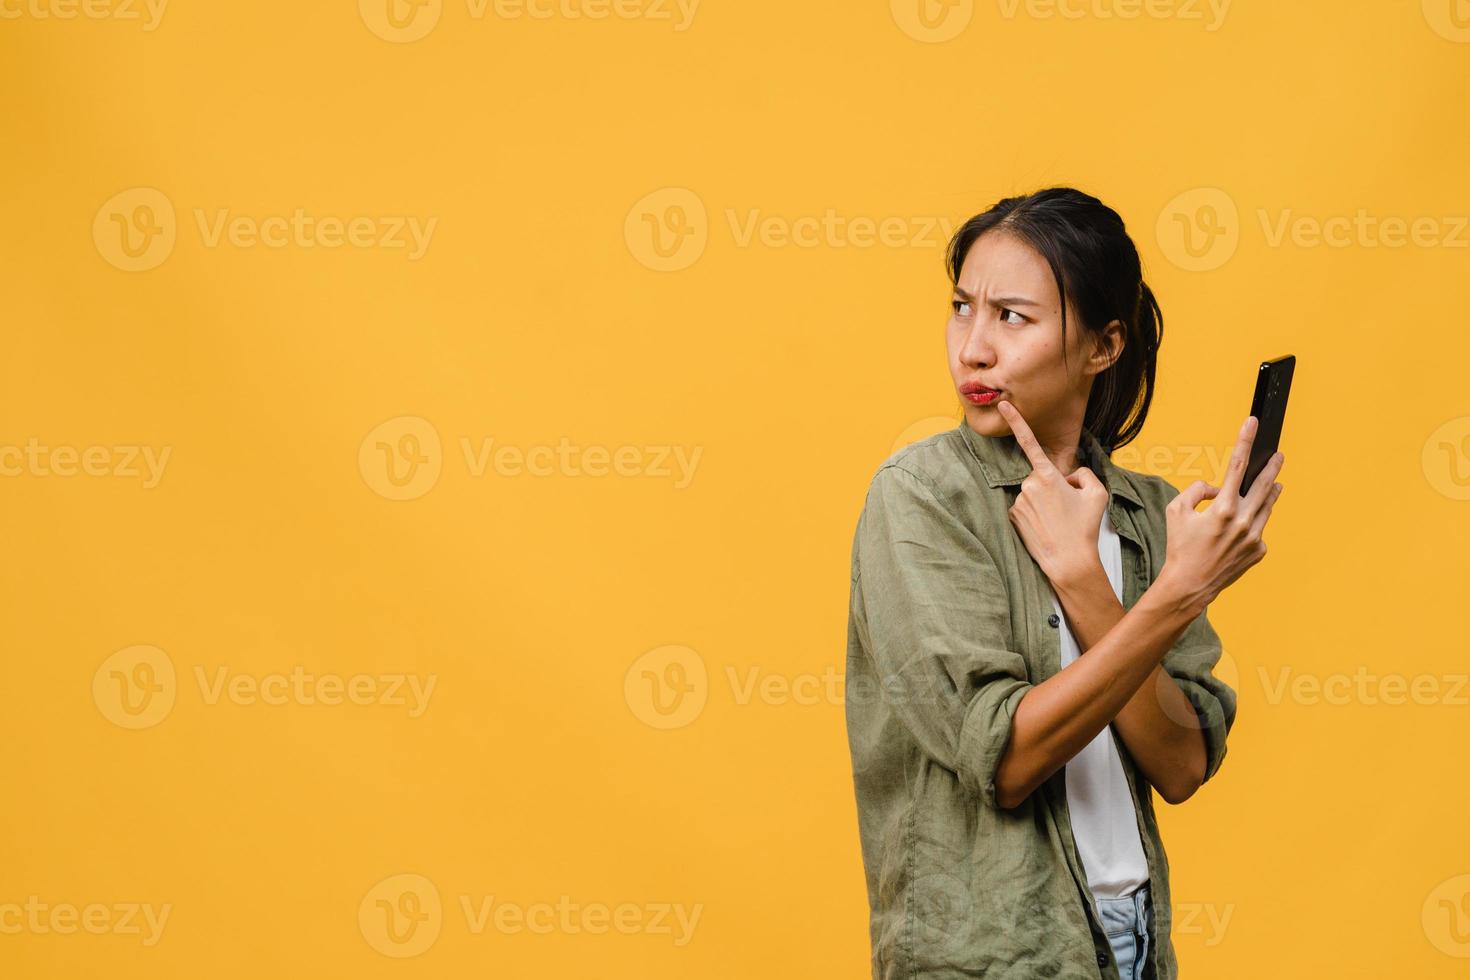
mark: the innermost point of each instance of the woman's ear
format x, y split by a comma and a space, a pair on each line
1107, 347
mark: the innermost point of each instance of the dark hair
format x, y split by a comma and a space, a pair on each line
1096, 266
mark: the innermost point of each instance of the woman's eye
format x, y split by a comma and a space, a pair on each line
1005, 313
957, 304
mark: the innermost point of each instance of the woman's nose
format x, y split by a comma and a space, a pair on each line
978, 349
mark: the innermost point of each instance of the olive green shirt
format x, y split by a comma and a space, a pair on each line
950, 623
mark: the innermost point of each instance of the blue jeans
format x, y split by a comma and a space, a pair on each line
1128, 921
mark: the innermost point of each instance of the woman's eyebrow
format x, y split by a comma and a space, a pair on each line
996, 300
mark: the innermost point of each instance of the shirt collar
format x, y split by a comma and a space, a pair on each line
1005, 463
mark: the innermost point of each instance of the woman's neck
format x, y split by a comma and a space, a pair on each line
1063, 449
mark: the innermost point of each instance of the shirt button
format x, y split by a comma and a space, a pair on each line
1053, 620
1102, 959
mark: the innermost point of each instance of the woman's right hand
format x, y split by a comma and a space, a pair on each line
1209, 549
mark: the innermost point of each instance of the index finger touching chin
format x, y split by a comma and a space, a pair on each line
1025, 438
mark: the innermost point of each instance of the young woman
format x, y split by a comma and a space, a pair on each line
1029, 655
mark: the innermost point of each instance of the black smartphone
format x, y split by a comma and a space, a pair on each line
1273, 384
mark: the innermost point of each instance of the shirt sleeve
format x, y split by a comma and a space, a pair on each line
1191, 662
937, 626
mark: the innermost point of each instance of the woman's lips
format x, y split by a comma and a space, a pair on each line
982, 397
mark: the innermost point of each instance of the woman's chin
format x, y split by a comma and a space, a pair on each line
987, 421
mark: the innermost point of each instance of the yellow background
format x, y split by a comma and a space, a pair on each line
1331, 844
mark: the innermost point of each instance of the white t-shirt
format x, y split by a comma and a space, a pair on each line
1103, 820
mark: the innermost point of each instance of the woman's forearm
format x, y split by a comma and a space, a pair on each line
1055, 719
1170, 755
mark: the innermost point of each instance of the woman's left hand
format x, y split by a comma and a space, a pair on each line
1058, 516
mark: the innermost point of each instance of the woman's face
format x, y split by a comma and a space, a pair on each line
1005, 332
